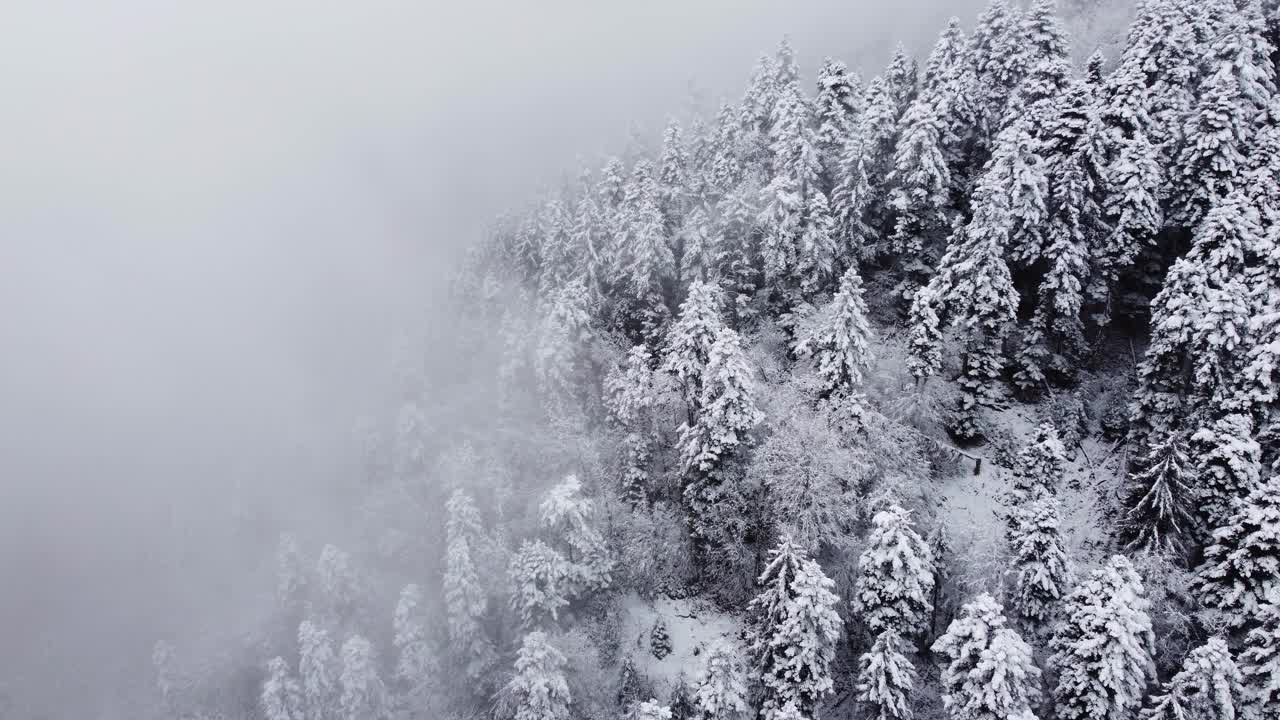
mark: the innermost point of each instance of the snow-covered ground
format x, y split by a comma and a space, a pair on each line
694, 627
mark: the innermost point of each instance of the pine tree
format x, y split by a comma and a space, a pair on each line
725, 171
465, 600
318, 669
794, 631
414, 664
836, 109
1040, 466
924, 353
291, 575
876, 136
1046, 60
1228, 465
851, 198
1260, 660
1043, 570
659, 639
281, 697
1208, 686
998, 61
1103, 647
565, 330
690, 338
840, 342
338, 584
818, 251
727, 406
569, 515
722, 688
1158, 503
894, 588
1197, 323
1132, 207
1067, 252
539, 579
990, 673
363, 695
649, 262
921, 184
699, 246
673, 175
1242, 565
651, 710
538, 689
886, 678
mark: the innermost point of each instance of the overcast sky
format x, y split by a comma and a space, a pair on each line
214, 217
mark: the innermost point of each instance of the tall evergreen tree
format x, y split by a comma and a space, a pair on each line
886, 678
793, 633
722, 690
538, 689
1209, 686
894, 588
989, 672
319, 672
1043, 570
839, 343
364, 697
414, 661
281, 697
1228, 466
1103, 648
1260, 660
921, 182
836, 109
1242, 565
690, 337
1158, 503
727, 406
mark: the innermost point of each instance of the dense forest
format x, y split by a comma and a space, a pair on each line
948, 393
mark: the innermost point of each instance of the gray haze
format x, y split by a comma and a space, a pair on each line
215, 218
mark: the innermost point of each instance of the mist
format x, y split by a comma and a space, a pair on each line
216, 220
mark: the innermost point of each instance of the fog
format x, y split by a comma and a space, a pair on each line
215, 219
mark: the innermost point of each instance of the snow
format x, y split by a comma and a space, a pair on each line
694, 627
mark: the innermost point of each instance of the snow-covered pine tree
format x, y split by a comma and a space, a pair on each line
414, 660
839, 343
565, 330
1042, 567
690, 338
281, 697
319, 673
851, 198
1040, 466
538, 690
1131, 205
997, 57
924, 352
886, 678
465, 599
877, 136
673, 176
1198, 321
649, 261
1046, 62
565, 513
726, 406
818, 250
722, 688
659, 639
339, 586
1242, 565
794, 631
1158, 504
836, 109
1019, 170
1208, 686
1228, 466
921, 186
989, 673
1218, 133
291, 576
539, 580
894, 588
699, 246
1260, 660
1102, 648
1073, 220
364, 697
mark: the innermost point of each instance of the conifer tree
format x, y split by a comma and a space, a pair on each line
839, 344
894, 588
877, 136
1242, 565
1158, 503
1260, 660
673, 175
886, 678
1103, 647
649, 261
818, 250
690, 338
561, 343
338, 584
319, 672
727, 406
568, 514
1067, 253
281, 697
465, 599
1132, 207
900, 78
699, 246
539, 579
924, 353
1040, 466
851, 199
291, 575
1197, 324
538, 689
722, 689
364, 697
1209, 685
651, 710
1228, 465
794, 632
921, 184
989, 672
414, 663
1043, 570
998, 62
836, 109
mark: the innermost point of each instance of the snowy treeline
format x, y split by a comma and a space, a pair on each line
741, 371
